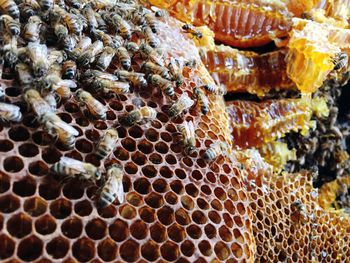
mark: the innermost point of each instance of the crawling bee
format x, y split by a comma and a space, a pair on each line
119, 24
108, 40
202, 100
152, 55
102, 25
151, 22
96, 74
150, 37
74, 3
107, 143
56, 56
298, 212
88, 56
31, 32
37, 54
89, 14
9, 49
69, 69
28, 8
105, 58
136, 16
33, 98
189, 137
67, 41
24, 74
151, 68
164, 84
123, 57
10, 25
63, 131
215, 150
175, 72
341, 61
46, 4
132, 47
83, 44
145, 113
183, 103
73, 22
61, 86
71, 168
137, 79
51, 101
95, 108
9, 112
192, 30
113, 188
107, 85
9, 7
215, 89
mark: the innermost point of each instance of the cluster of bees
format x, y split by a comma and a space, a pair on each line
52, 46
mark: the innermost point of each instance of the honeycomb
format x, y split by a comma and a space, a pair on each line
177, 207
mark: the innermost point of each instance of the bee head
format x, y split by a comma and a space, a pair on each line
40, 69
190, 150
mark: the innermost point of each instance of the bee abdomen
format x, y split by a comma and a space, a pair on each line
105, 199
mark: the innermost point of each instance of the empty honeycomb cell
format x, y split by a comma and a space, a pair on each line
145, 146
121, 154
194, 231
30, 248
71, 107
139, 229
107, 250
202, 203
42, 138
160, 186
156, 124
116, 105
7, 245
237, 250
38, 168
182, 217
4, 182
65, 117
225, 233
200, 134
83, 208
170, 251
110, 115
19, 225
221, 250
176, 233
92, 135
187, 202
205, 190
154, 200
82, 121
134, 199
139, 158
58, 247
229, 206
162, 117
100, 125
30, 121
199, 217
61, 208
51, 155
93, 159
119, 230
180, 173
96, 229
13, 164
187, 248
6, 145
49, 190
152, 135
25, 186
9, 203
72, 227
147, 214
214, 217
129, 144
135, 131
83, 146
150, 250
197, 175
166, 172
35, 206
18, 133
220, 193
155, 158
83, 249
73, 189
177, 187
216, 204
205, 248
165, 136
127, 211
161, 147
171, 198
187, 161
142, 186
45, 225
74, 155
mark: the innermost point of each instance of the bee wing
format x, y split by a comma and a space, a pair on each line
119, 190
66, 127
67, 83
185, 101
72, 163
191, 130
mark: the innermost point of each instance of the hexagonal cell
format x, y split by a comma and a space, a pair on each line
147, 214
51, 155
176, 232
18, 134
139, 158
187, 248
28, 150
58, 247
142, 186
135, 131
42, 138
9, 203
35, 206
6, 145
13, 164
107, 250
61, 208
171, 198
134, 199
4, 182
166, 215
205, 248
152, 135
72, 227
129, 144
170, 251
83, 208
119, 230
49, 190
38, 168
150, 250
45, 225
194, 231
130, 250
96, 229
25, 187
138, 229
221, 250
145, 147
30, 248
83, 146
127, 211
73, 189
121, 154
7, 245
149, 171
83, 249
19, 225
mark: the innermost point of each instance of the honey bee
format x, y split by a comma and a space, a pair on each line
136, 16
46, 4
176, 73
73, 23
105, 58
60, 86
108, 40
123, 57
51, 101
88, 56
183, 103
113, 188
9, 49
107, 143
137, 79
132, 47
76, 169
89, 14
10, 25
31, 32
33, 98
188, 134
298, 214
148, 52
69, 69
144, 113
341, 61
67, 41
164, 84
56, 57
192, 30
202, 100
151, 68
9, 7
63, 131
24, 74
83, 44
118, 23
101, 23
37, 54
10, 112
150, 37
95, 108
215, 89
93, 74
217, 148
151, 22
